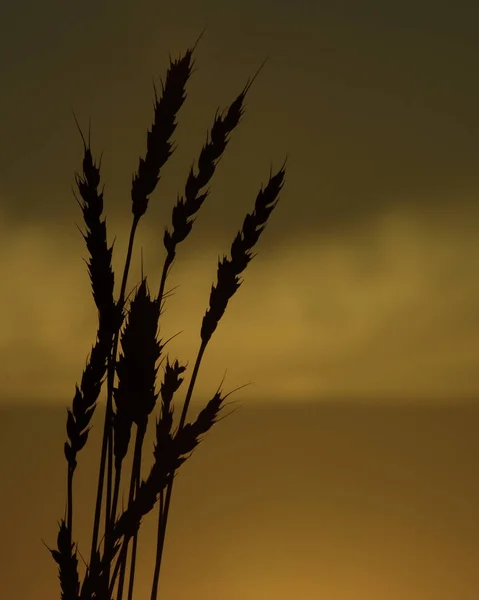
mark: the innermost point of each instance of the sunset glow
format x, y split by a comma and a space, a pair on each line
350, 470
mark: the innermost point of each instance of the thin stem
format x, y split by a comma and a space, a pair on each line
161, 504
108, 512
116, 493
107, 427
166, 265
134, 482
163, 515
135, 544
70, 502
119, 562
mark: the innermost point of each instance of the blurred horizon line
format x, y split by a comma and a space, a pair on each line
345, 401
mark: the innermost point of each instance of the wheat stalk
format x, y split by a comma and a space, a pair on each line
132, 326
159, 148
227, 285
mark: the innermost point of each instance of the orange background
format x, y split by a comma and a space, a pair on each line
357, 322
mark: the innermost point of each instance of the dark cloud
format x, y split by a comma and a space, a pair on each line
376, 108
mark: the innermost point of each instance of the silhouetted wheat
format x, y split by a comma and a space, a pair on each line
131, 403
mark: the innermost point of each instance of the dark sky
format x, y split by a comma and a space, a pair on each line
364, 292
376, 103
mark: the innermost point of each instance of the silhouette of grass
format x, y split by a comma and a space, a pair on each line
132, 401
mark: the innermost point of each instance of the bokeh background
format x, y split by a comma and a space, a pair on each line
350, 471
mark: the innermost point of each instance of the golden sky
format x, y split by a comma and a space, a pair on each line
364, 292
365, 283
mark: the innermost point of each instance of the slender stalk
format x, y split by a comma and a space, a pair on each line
134, 480
116, 570
166, 265
102, 284
135, 396
133, 549
159, 149
227, 285
116, 492
166, 506
107, 427
184, 209
70, 502
109, 516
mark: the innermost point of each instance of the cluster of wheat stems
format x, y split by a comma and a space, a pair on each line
131, 377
